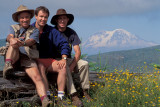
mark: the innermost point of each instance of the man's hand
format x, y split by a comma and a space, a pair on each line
15, 42
62, 63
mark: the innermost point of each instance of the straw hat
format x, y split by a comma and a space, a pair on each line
59, 13
20, 9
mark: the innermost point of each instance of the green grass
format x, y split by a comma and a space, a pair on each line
124, 89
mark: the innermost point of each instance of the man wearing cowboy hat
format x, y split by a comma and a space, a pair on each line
61, 21
22, 41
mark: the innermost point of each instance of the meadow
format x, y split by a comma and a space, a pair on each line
125, 89
121, 88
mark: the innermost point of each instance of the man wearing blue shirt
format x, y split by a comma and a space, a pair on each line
50, 41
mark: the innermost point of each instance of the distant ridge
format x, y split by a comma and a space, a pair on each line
118, 39
130, 59
2, 42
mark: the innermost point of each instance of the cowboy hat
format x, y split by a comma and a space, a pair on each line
59, 13
20, 9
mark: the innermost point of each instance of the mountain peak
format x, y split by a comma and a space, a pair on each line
120, 30
115, 40
124, 33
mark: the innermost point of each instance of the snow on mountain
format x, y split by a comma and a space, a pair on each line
118, 39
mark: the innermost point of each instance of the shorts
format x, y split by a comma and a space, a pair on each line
27, 62
46, 62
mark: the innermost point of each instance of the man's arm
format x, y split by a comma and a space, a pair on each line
34, 38
76, 57
15, 42
28, 42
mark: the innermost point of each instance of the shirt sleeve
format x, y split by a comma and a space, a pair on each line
35, 35
76, 40
11, 31
61, 43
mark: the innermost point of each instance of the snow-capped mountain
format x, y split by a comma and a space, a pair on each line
115, 40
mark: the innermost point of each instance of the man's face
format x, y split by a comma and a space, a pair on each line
62, 21
41, 18
24, 19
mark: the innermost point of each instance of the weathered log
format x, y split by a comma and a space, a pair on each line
21, 88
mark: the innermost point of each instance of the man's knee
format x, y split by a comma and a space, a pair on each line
83, 66
63, 71
83, 63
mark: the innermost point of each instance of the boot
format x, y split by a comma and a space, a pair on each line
62, 102
76, 101
46, 102
87, 96
36, 100
8, 68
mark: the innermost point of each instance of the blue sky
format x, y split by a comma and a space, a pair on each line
139, 17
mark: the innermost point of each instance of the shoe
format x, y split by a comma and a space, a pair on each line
8, 68
36, 100
62, 102
76, 101
87, 96
46, 102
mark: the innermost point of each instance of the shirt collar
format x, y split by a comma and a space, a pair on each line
45, 29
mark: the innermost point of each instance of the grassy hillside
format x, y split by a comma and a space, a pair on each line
130, 59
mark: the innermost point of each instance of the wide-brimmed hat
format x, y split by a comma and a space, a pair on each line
20, 9
59, 13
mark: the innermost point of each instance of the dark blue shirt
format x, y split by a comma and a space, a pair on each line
72, 38
51, 42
